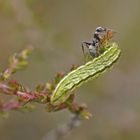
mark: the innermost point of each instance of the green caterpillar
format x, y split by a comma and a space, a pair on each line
91, 69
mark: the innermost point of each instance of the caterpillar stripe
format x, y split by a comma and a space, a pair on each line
91, 69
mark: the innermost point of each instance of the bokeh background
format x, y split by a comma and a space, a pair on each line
56, 30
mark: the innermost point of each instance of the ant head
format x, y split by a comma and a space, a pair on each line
100, 29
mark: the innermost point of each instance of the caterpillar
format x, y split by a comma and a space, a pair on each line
83, 73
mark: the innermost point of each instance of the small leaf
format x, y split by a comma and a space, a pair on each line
50, 87
40, 87
16, 62
58, 77
86, 114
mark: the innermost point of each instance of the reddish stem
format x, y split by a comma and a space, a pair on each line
23, 95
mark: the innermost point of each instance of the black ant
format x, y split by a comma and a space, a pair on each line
100, 37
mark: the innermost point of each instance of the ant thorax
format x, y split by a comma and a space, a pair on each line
93, 48
100, 38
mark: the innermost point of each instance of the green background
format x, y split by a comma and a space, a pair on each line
56, 30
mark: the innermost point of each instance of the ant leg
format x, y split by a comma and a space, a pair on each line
83, 46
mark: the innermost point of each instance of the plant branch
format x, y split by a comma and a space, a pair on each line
62, 130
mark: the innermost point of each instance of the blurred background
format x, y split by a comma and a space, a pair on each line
56, 30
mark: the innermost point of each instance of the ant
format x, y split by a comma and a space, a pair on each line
101, 37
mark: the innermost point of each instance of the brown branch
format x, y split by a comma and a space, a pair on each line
64, 129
